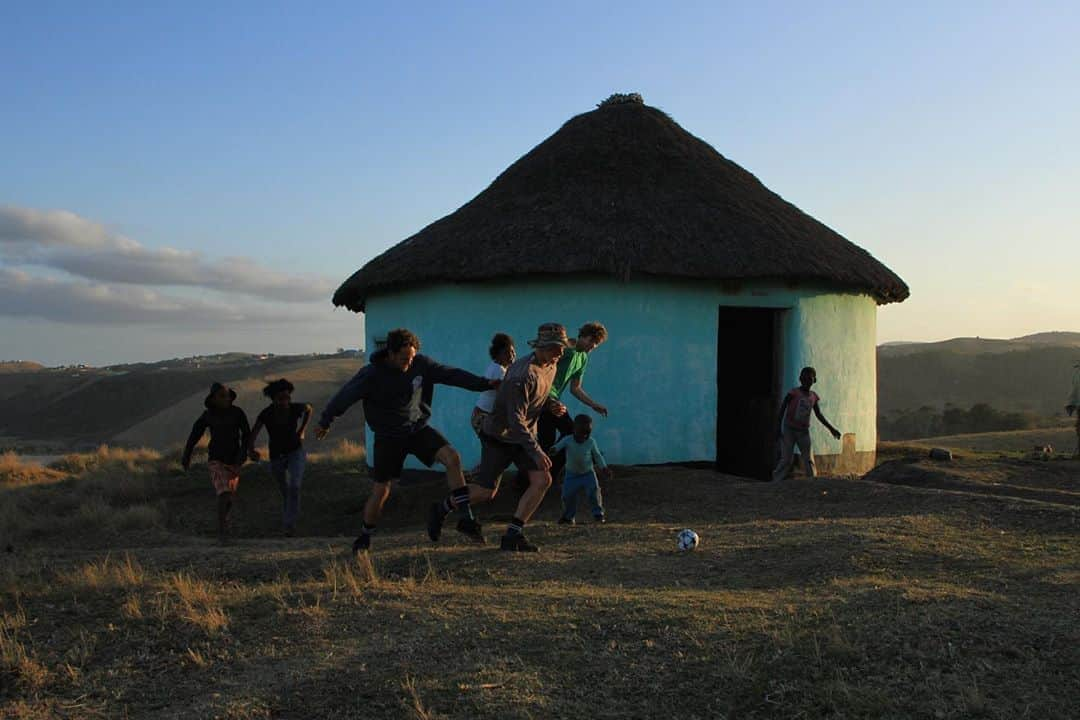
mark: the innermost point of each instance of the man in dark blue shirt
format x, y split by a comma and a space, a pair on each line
397, 388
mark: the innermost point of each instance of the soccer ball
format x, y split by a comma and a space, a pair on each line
687, 540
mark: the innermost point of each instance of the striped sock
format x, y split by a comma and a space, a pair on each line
516, 527
459, 497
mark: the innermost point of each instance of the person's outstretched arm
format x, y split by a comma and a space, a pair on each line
578, 391
245, 438
817, 411
598, 459
456, 377
304, 420
561, 445
352, 392
251, 451
197, 431
780, 420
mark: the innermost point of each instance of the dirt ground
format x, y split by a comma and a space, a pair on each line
922, 591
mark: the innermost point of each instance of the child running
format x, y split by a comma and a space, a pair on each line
502, 353
287, 456
583, 457
230, 440
795, 425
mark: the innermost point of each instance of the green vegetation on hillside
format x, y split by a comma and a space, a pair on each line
1033, 378
980, 418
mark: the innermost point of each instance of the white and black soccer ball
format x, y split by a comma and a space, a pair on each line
687, 539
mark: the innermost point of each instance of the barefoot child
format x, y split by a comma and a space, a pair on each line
583, 457
229, 443
795, 425
502, 355
287, 456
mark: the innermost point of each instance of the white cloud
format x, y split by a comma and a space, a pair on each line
63, 240
66, 301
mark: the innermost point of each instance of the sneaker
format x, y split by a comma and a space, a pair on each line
435, 520
566, 521
599, 518
471, 529
361, 544
517, 543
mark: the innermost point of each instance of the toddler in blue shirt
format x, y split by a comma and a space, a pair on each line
583, 457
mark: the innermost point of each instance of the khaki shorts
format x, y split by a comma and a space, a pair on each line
496, 456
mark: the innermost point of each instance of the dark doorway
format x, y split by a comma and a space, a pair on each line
747, 385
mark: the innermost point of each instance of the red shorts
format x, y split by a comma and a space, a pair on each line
226, 478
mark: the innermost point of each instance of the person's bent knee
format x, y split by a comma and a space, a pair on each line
380, 487
449, 457
540, 479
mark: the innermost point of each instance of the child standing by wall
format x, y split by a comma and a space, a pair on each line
229, 445
794, 427
583, 458
287, 456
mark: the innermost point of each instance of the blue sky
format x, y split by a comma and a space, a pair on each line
228, 140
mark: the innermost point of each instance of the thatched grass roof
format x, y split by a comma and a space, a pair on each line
623, 191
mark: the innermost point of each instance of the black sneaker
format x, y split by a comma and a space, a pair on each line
566, 521
517, 543
599, 518
361, 544
471, 529
435, 520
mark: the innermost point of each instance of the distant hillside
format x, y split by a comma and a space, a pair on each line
151, 404
1032, 373
979, 346
20, 366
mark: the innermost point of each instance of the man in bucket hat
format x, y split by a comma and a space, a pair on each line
229, 440
508, 434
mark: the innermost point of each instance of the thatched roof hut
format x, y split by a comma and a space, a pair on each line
715, 292
625, 191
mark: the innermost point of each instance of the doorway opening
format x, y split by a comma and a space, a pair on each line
748, 362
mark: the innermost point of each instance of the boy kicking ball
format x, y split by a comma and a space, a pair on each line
583, 458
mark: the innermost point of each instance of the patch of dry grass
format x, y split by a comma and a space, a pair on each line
116, 458
346, 451
194, 601
14, 471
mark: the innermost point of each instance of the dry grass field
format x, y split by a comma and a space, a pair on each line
923, 591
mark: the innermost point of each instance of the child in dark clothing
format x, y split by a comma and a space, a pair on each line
287, 456
794, 427
229, 446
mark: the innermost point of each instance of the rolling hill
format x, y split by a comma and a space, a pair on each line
1032, 373
151, 404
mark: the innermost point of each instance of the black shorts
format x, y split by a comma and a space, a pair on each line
496, 456
390, 452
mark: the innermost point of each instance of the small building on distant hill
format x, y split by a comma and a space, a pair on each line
714, 289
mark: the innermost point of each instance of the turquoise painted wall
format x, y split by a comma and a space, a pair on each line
657, 372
